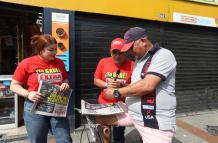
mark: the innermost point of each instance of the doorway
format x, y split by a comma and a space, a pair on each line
17, 26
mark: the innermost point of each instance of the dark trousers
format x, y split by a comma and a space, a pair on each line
118, 134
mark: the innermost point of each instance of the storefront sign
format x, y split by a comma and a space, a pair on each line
213, 2
61, 32
195, 20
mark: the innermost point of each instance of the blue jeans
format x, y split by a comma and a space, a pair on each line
38, 126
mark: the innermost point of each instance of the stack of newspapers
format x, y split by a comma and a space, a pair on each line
102, 109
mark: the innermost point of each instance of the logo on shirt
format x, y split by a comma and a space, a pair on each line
50, 74
149, 117
148, 107
121, 77
150, 100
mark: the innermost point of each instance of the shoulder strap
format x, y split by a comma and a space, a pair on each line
151, 53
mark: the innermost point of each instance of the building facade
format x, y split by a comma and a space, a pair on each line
189, 28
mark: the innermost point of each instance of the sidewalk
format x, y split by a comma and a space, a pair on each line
191, 128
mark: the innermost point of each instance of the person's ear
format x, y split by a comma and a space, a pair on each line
144, 42
111, 53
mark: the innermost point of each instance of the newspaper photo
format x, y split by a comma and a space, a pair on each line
55, 102
102, 109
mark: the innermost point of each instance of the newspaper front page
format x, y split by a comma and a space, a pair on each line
102, 109
55, 102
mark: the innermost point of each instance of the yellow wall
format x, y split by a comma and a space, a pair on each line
144, 9
187, 7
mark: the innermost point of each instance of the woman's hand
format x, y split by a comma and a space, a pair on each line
35, 96
64, 86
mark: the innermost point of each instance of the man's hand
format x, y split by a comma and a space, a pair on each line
109, 93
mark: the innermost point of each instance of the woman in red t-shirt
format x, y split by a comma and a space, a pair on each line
42, 66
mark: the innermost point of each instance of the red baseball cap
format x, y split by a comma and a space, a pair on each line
132, 35
117, 44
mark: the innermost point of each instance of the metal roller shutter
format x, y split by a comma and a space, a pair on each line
196, 51
195, 48
93, 36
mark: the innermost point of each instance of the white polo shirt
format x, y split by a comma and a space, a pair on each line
163, 64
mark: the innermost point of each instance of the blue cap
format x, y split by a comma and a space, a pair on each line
132, 35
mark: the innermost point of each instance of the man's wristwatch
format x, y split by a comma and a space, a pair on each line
116, 93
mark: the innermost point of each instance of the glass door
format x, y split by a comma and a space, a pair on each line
11, 52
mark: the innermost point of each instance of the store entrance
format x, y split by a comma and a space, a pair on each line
10, 44
16, 29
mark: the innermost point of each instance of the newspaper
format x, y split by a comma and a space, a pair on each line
55, 102
102, 109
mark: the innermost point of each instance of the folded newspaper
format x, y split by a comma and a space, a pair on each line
55, 102
102, 109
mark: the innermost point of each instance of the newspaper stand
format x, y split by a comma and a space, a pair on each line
96, 131
95, 134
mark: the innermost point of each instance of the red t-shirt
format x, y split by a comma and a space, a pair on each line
33, 69
106, 70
